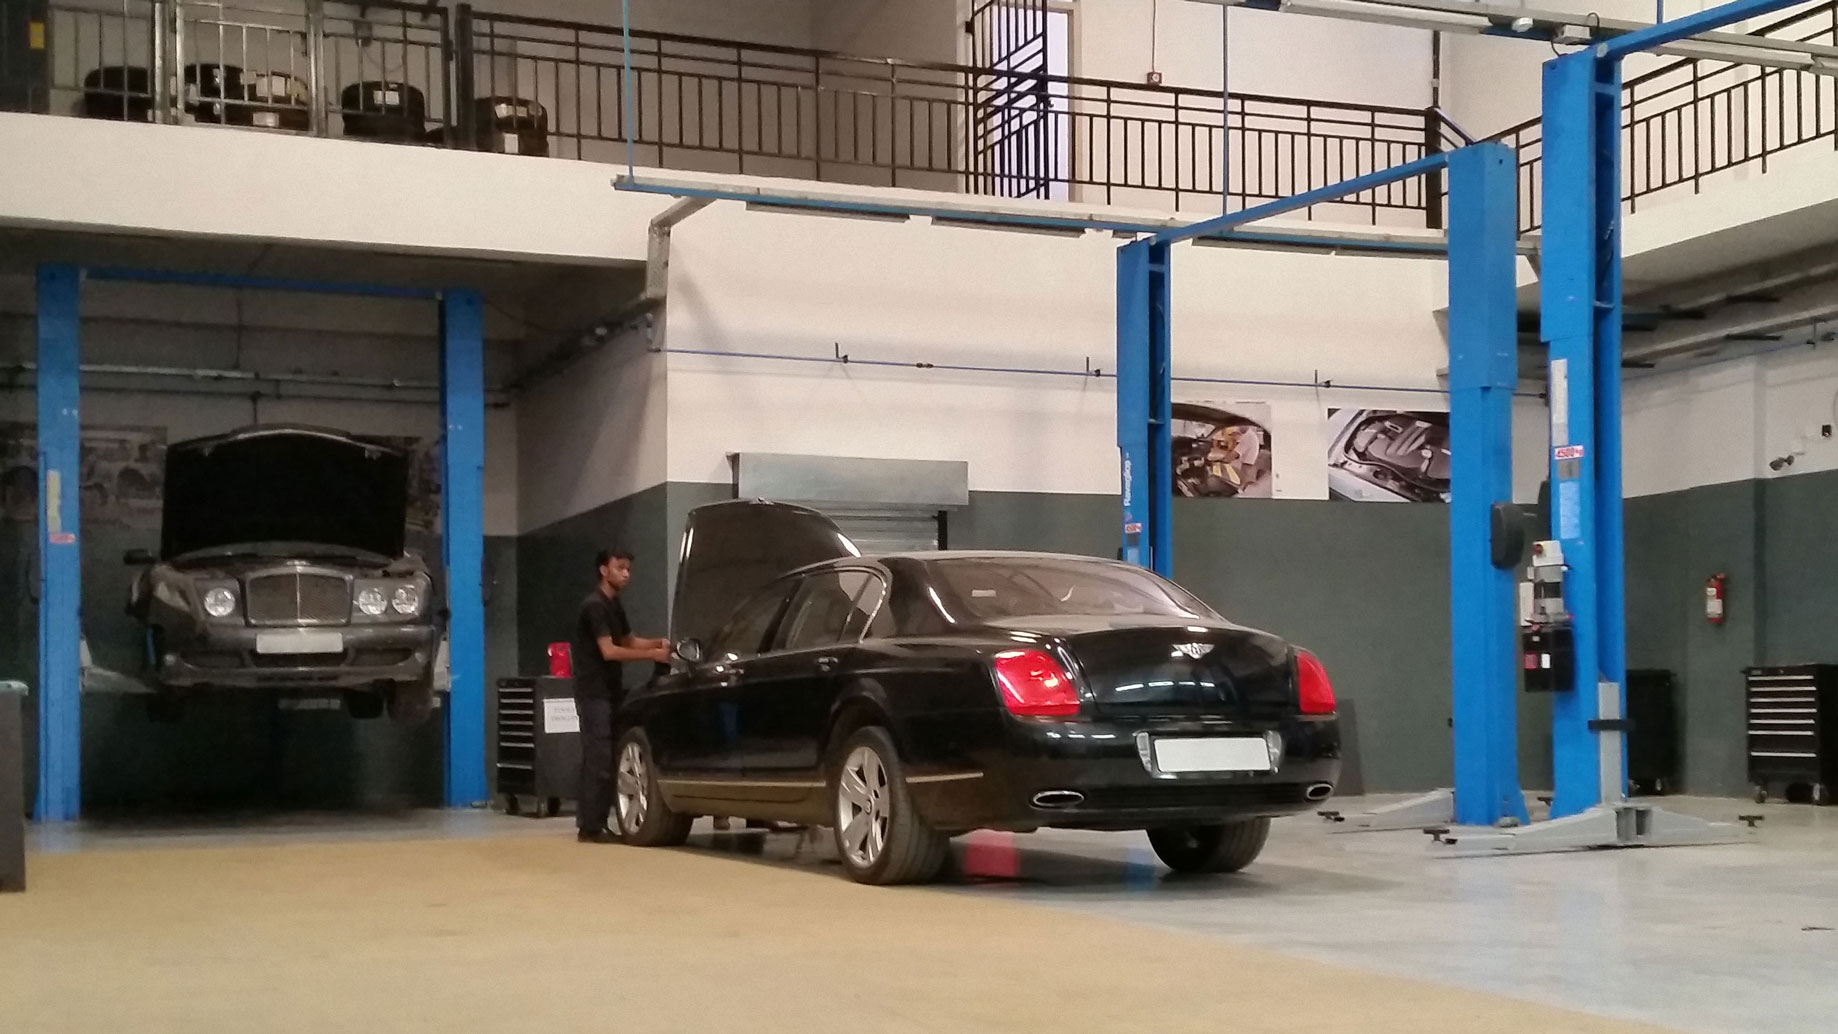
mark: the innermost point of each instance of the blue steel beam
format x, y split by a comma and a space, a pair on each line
1688, 26
1297, 202
1483, 373
462, 404
60, 675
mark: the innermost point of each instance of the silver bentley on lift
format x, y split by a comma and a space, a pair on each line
282, 566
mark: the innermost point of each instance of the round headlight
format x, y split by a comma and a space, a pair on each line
371, 601
407, 599
220, 602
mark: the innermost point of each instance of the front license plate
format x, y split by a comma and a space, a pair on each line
1213, 754
304, 642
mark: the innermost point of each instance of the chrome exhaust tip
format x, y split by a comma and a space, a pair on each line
1319, 791
1058, 799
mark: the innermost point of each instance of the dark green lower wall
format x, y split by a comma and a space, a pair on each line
1366, 586
555, 571
1775, 541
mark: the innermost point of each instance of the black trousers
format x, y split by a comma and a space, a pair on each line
596, 796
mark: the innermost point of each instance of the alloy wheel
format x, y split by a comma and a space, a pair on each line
633, 787
864, 806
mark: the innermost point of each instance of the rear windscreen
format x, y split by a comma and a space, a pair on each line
989, 589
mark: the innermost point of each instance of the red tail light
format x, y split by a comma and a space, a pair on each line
1034, 685
1312, 686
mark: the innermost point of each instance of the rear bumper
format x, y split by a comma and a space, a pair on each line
1096, 778
226, 658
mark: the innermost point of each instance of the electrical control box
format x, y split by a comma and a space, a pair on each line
1548, 653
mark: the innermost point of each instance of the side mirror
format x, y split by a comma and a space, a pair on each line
138, 558
690, 650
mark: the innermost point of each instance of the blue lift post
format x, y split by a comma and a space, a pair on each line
1482, 250
60, 674
1483, 374
462, 406
1581, 325
462, 364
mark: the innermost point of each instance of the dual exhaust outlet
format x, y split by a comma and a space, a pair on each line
1073, 798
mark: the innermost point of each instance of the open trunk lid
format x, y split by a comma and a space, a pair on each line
732, 550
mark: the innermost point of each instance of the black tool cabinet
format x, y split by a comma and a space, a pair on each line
1793, 730
539, 744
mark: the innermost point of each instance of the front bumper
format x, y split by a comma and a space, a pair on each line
1101, 781
226, 657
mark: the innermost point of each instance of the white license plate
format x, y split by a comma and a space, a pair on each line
302, 642
1213, 754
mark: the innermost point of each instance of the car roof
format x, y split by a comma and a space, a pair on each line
961, 554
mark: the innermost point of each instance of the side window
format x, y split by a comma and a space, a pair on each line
867, 606
823, 609
745, 633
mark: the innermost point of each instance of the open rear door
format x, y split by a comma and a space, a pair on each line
732, 550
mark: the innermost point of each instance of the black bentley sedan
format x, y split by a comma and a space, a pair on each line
905, 699
283, 566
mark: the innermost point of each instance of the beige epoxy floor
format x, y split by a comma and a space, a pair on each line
535, 933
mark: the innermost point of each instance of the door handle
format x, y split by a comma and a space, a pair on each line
826, 664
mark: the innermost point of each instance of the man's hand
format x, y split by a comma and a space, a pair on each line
661, 654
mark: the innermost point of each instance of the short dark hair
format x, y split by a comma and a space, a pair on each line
607, 556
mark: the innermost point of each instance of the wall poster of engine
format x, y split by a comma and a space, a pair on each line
1222, 450
121, 474
1388, 455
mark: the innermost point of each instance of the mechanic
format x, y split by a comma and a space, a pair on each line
603, 640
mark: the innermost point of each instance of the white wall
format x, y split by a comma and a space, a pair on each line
1725, 422
199, 182
593, 432
911, 293
1282, 54
912, 30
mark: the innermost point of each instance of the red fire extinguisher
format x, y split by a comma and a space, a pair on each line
561, 662
1714, 590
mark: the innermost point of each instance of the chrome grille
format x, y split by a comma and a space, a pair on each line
296, 598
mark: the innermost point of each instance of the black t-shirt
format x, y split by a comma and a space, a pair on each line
594, 675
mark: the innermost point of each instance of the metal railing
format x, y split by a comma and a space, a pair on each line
378, 70
1692, 118
718, 105
415, 73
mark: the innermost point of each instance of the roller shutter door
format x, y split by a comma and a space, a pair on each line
897, 531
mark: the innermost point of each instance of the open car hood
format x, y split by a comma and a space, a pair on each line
285, 484
732, 550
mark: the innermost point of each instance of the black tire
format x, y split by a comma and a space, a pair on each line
364, 704
652, 823
1761, 795
512, 806
1224, 848
551, 807
412, 703
910, 851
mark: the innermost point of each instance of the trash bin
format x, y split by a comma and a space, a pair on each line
1652, 735
12, 790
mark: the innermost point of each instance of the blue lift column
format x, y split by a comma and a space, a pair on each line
60, 674
1581, 325
1483, 373
462, 406
1145, 403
